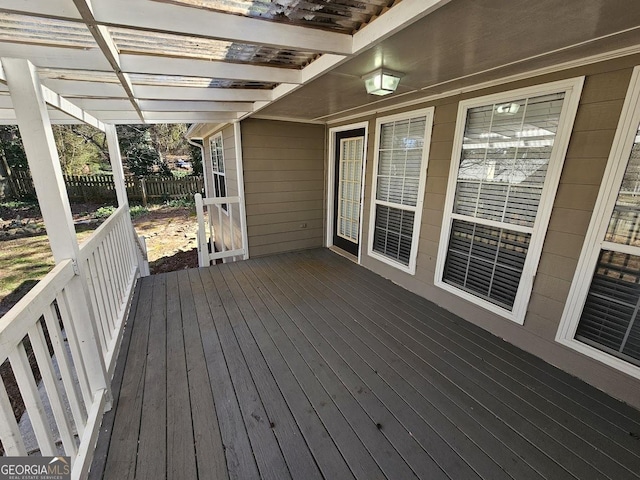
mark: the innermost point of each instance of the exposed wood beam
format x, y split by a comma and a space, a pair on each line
156, 16
109, 49
153, 92
207, 68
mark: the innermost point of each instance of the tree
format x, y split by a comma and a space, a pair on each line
196, 159
11, 148
82, 148
138, 151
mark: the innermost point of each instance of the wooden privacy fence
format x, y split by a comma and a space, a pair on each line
86, 188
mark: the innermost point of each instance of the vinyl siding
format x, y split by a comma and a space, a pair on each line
284, 185
600, 107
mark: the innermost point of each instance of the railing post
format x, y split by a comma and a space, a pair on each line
203, 248
39, 144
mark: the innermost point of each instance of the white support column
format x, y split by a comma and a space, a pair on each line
237, 134
116, 164
39, 144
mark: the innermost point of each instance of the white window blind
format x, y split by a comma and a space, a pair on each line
609, 319
506, 146
351, 150
217, 162
399, 187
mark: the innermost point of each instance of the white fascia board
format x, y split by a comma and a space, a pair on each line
392, 21
207, 68
155, 92
194, 106
159, 16
188, 117
310, 72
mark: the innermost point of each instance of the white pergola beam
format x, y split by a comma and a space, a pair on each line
165, 17
207, 68
103, 38
392, 21
64, 105
81, 88
46, 56
49, 8
153, 92
189, 117
193, 106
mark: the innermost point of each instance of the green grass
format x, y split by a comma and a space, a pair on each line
25, 260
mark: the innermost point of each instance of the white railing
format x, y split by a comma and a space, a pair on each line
110, 261
77, 312
219, 230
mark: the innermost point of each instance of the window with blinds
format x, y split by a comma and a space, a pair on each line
609, 319
400, 171
217, 162
506, 148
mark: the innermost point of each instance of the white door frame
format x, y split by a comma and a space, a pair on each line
331, 176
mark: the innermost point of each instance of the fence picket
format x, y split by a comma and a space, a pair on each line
87, 188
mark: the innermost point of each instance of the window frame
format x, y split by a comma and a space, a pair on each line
595, 238
572, 89
216, 174
417, 219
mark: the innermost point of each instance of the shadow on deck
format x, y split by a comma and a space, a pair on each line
307, 366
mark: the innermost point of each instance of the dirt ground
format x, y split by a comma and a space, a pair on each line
170, 234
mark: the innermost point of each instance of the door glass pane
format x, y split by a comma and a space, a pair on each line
350, 177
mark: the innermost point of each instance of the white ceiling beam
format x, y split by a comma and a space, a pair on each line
153, 92
187, 117
56, 57
207, 68
48, 8
103, 38
158, 16
80, 88
194, 106
113, 104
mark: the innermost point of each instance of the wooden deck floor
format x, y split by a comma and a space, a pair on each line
308, 366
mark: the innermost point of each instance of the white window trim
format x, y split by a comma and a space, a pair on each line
411, 268
594, 240
572, 89
216, 172
331, 178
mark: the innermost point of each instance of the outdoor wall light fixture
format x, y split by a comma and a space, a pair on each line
381, 81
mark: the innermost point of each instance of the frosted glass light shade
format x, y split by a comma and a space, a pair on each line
381, 82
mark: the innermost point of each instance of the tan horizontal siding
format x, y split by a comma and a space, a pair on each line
284, 185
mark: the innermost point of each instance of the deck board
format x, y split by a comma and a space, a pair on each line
307, 366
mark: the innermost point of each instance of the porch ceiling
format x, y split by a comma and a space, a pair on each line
130, 61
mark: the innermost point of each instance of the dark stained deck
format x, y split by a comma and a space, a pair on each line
307, 366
